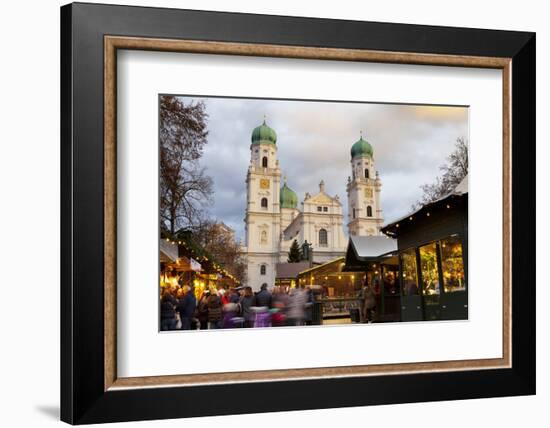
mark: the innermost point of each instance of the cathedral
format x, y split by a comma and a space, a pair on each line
273, 218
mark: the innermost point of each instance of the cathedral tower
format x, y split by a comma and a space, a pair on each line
364, 208
263, 211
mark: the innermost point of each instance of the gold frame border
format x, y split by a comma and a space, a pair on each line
113, 43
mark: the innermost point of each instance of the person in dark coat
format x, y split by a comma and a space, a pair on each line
186, 307
247, 301
202, 309
167, 310
233, 296
214, 311
263, 298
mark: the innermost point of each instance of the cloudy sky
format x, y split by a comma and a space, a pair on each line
314, 139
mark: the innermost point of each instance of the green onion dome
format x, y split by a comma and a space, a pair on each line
263, 134
361, 148
288, 198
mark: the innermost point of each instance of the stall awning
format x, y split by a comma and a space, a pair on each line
364, 249
168, 251
190, 264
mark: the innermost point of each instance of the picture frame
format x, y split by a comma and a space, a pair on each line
91, 391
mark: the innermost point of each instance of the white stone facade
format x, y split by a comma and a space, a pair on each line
271, 228
365, 216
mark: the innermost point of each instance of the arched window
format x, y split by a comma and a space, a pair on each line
366, 173
264, 162
262, 269
369, 211
323, 238
264, 203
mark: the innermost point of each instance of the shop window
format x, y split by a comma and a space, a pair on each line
264, 203
264, 162
408, 268
369, 211
430, 273
323, 238
263, 269
452, 264
391, 283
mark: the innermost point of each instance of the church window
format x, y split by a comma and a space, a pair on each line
264, 162
263, 269
264, 203
319, 209
325, 209
323, 238
263, 237
366, 173
369, 211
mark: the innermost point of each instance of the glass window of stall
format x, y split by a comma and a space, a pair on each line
429, 269
408, 272
452, 264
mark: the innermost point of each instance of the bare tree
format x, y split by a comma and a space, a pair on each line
453, 172
185, 189
219, 240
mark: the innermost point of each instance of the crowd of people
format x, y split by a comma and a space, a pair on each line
234, 308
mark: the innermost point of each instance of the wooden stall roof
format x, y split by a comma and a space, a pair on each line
290, 270
364, 249
459, 193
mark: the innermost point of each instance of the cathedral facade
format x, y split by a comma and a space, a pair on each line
273, 219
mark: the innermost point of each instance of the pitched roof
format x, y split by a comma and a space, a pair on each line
459, 190
290, 270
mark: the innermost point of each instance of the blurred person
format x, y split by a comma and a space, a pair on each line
248, 300
278, 302
224, 297
202, 309
233, 296
230, 312
368, 303
214, 311
167, 311
186, 307
296, 306
262, 316
263, 298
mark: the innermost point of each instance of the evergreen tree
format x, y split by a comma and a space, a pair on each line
294, 255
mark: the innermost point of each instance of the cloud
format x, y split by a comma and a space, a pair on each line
410, 143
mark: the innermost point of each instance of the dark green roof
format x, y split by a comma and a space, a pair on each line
288, 197
263, 134
361, 148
